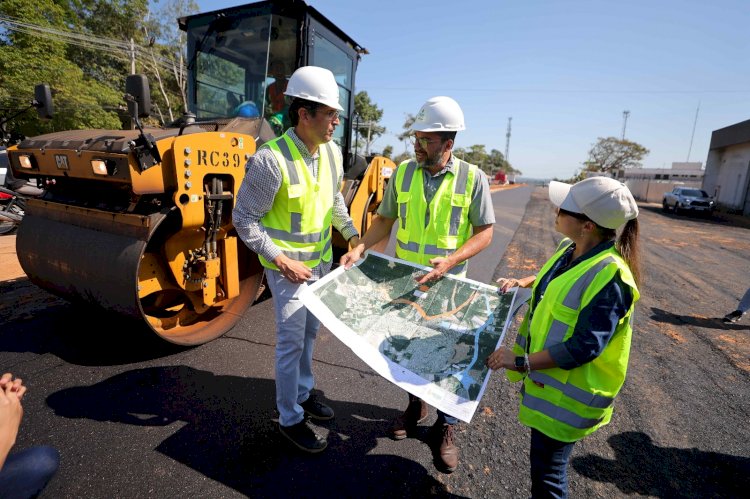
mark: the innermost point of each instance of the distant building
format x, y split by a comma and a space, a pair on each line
649, 184
728, 167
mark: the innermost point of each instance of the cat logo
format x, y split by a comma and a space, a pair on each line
62, 162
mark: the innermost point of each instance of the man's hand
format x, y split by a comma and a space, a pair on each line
292, 270
441, 266
351, 257
354, 254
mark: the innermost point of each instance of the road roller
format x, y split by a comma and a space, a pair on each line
138, 221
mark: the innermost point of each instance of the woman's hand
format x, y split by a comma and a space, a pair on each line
500, 358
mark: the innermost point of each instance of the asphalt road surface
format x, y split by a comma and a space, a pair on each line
133, 416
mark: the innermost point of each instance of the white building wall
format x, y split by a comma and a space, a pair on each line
649, 184
727, 177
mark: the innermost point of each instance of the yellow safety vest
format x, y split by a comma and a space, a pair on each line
299, 221
573, 403
446, 217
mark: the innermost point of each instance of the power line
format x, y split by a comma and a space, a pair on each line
123, 50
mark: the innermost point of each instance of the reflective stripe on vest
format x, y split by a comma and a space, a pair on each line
520, 346
438, 229
573, 403
299, 223
570, 418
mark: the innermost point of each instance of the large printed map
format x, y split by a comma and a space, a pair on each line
429, 339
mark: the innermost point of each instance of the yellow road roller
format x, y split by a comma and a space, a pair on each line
138, 222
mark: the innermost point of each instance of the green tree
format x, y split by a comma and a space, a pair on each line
611, 154
168, 56
28, 58
115, 23
402, 157
475, 154
388, 151
407, 133
369, 115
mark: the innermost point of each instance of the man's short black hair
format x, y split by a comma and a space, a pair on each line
298, 104
444, 136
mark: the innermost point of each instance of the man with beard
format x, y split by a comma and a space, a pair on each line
445, 216
285, 207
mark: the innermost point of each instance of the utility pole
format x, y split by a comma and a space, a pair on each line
625, 115
507, 141
372, 126
695, 122
132, 57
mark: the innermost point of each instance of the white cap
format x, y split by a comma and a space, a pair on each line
314, 84
604, 200
439, 114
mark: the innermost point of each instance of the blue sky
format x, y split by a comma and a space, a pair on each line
563, 70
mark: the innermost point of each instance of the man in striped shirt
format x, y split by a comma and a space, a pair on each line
288, 201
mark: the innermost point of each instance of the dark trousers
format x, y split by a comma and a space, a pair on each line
25, 473
446, 418
549, 466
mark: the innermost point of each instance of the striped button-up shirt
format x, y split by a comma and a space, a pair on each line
255, 198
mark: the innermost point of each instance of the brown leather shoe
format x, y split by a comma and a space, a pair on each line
415, 413
446, 452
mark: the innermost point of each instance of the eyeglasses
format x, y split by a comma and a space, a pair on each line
423, 141
577, 216
331, 115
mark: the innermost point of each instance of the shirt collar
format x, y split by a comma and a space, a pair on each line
301, 145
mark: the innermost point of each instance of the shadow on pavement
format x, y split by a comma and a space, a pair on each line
81, 335
660, 315
229, 435
640, 467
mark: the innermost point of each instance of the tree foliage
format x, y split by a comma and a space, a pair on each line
400, 158
82, 50
612, 154
167, 58
27, 59
490, 163
369, 114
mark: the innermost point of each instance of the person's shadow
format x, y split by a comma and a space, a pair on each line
666, 317
640, 467
230, 435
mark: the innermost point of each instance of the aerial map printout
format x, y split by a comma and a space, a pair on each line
430, 339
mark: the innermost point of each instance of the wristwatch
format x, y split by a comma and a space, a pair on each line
520, 364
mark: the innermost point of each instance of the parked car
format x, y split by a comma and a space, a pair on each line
684, 199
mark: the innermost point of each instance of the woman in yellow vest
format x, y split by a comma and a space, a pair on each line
572, 348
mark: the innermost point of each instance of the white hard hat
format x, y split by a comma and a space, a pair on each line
314, 84
606, 201
439, 114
